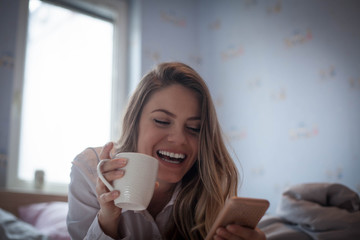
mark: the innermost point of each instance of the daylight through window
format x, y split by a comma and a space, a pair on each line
67, 89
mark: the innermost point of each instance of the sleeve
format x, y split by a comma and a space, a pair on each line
82, 219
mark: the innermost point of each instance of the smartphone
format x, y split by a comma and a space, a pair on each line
238, 210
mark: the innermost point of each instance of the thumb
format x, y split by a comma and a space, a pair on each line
105, 151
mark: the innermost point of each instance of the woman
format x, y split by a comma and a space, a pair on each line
171, 117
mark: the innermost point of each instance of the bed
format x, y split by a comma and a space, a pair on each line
322, 211
306, 211
26, 215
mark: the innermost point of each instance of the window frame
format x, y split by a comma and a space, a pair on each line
116, 11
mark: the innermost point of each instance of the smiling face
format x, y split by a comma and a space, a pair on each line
169, 131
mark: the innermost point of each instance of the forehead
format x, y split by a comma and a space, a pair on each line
175, 98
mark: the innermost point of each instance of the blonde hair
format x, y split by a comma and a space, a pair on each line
214, 176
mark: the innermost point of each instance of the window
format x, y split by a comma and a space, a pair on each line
70, 92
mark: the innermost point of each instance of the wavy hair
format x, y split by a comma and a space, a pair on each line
214, 176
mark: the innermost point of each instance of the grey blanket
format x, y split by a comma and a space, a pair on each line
315, 211
11, 228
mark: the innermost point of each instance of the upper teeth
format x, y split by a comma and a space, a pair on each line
172, 155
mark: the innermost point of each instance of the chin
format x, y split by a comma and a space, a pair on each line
169, 179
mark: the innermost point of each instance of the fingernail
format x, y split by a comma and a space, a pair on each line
123, 160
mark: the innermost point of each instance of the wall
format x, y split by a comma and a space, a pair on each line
286, 80
8, 22
285, 77
169, 32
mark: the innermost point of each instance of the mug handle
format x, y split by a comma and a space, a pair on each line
108, 185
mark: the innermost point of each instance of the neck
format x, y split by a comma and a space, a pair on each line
161, 197
165, 187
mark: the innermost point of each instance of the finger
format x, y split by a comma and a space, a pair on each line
216, 237
108, 197
105, 151
261, 234
113, 165
245, 232
110, 177
237, 229
113, 175
222, 233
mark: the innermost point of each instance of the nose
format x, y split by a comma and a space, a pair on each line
177, 135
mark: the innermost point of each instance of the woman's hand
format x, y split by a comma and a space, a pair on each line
109, 214
237, 232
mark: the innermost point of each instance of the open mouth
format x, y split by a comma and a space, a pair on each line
171, 157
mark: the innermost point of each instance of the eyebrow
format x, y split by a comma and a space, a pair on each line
173, 115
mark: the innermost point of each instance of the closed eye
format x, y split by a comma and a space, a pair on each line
157, 121
195, 130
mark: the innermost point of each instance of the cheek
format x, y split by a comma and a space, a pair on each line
144, 143
140, 145
143, 136
195, 149
141, 142
148, 139
195, 145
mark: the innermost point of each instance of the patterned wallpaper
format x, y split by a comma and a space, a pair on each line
285, 77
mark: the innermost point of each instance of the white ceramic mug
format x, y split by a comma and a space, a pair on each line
138, 183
